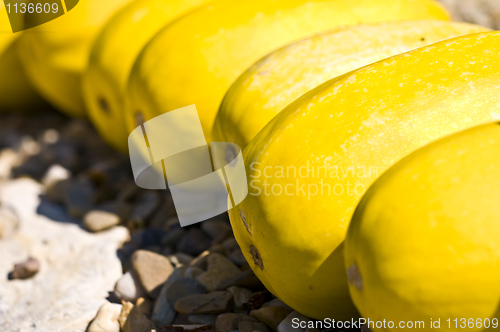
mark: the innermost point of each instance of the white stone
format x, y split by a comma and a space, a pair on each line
55, 174
128, 288
107, 318
78, 269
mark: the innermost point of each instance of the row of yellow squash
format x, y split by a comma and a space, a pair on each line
154, 56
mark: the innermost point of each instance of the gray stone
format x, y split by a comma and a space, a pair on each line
129, 288
145, 305
229, 322
182, 288
57, 193
26, 269
219, 268
276, 303
163, 215
200, 261
287, 324
216, 228
132, 320
212, 303
193, 271
246, 279
180, 258
173, 237
252, 326
106, 319
236, 256
96, 221
229, 244
152, 270
78, 268
194, 242
203, 319
226, 322
144, 207
163, 311
270, 316
240, 294
79, 198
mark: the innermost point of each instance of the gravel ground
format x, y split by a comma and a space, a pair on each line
172, 278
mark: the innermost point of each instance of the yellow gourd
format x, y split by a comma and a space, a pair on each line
422, 247
195, 59
113, 55
347, 132
287, 73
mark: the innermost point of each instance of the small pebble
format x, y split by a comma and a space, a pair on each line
193, 271
276, 303
229, 322
145, 305
211, 303
144, 207
182, 288
106, 319
54, 174
270, 316
173, 237
194, 242
241, 295
219, 268
163, 311
245, 279
236, 256
287, 324
180, 258
252, 326
79, 198
226, 322
8, 159
152, 270
96, 221
229, 244
203, 319
26, 269
216, 228
132, 320
129, 288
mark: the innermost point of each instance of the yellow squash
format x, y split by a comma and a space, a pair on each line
310, 165
113, 55
16, 93
56, 53
195, 59
423, 243
284, 75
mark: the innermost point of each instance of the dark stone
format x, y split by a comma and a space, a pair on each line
182, 288
194, 242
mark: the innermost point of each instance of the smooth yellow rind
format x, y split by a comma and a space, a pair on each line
284, 75
56, 53
368, 119
113, 55
16, 93
195, 59
424, 239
